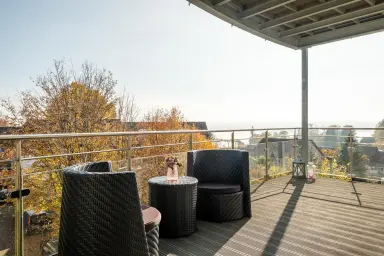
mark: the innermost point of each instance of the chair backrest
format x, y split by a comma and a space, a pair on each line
93, 167
225, 166
101, 214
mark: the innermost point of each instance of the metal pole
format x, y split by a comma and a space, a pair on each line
350, 152
266, 155
190, 141
19, 223
282, 157
304, 105
233, 140
294, 144
129, 153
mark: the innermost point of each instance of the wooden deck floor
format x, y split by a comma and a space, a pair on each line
328, 217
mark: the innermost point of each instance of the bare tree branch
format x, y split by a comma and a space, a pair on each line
127, 109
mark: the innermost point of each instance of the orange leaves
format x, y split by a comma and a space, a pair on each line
78, 108
149, 161
173, 119
330, 152
3, 122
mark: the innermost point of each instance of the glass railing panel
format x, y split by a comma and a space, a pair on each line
42, 211
153, 166
368, 154
7, 210
257, 161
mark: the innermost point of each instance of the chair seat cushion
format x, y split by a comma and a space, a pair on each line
218, 188
151, 216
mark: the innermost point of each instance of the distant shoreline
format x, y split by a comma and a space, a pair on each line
259, 125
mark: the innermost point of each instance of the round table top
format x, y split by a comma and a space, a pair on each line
183, 180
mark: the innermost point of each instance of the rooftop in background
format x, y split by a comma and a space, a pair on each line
198, 125
274, 140
368, 140
7, 129
300, 23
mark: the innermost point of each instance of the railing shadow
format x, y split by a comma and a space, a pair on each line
257, 187
314, 194
268, 193
281, 226
355, 192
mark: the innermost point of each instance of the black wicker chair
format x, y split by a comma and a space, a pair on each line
101, 214
224, 188
92, 167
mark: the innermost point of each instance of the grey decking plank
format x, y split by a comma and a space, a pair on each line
325, 218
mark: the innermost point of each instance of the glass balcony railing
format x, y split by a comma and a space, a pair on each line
36, 162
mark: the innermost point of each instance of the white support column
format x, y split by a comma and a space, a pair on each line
304, 104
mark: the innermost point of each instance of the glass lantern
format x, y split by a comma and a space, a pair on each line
298, 169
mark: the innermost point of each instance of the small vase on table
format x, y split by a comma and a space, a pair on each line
172, 172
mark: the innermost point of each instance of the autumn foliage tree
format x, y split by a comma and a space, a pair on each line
152, 150
331, 157
3, 122
85, 103
6, 152
64, 103
68, 103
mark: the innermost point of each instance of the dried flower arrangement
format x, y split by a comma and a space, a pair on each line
171, 162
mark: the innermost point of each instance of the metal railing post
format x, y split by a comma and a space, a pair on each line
233, 140
191, 141
304, 106
266, 155
19, 223
294, 143
350, 152
129, 153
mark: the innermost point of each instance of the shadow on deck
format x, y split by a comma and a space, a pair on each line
328, 217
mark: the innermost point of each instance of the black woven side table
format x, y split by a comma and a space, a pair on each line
176, 202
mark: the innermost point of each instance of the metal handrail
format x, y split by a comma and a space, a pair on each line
113, 134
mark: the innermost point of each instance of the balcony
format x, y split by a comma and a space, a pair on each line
339, 214
328, 217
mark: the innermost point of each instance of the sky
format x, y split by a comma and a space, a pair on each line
168, 53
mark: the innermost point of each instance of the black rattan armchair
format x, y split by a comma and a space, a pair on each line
224, 188
101, 214
92, 167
